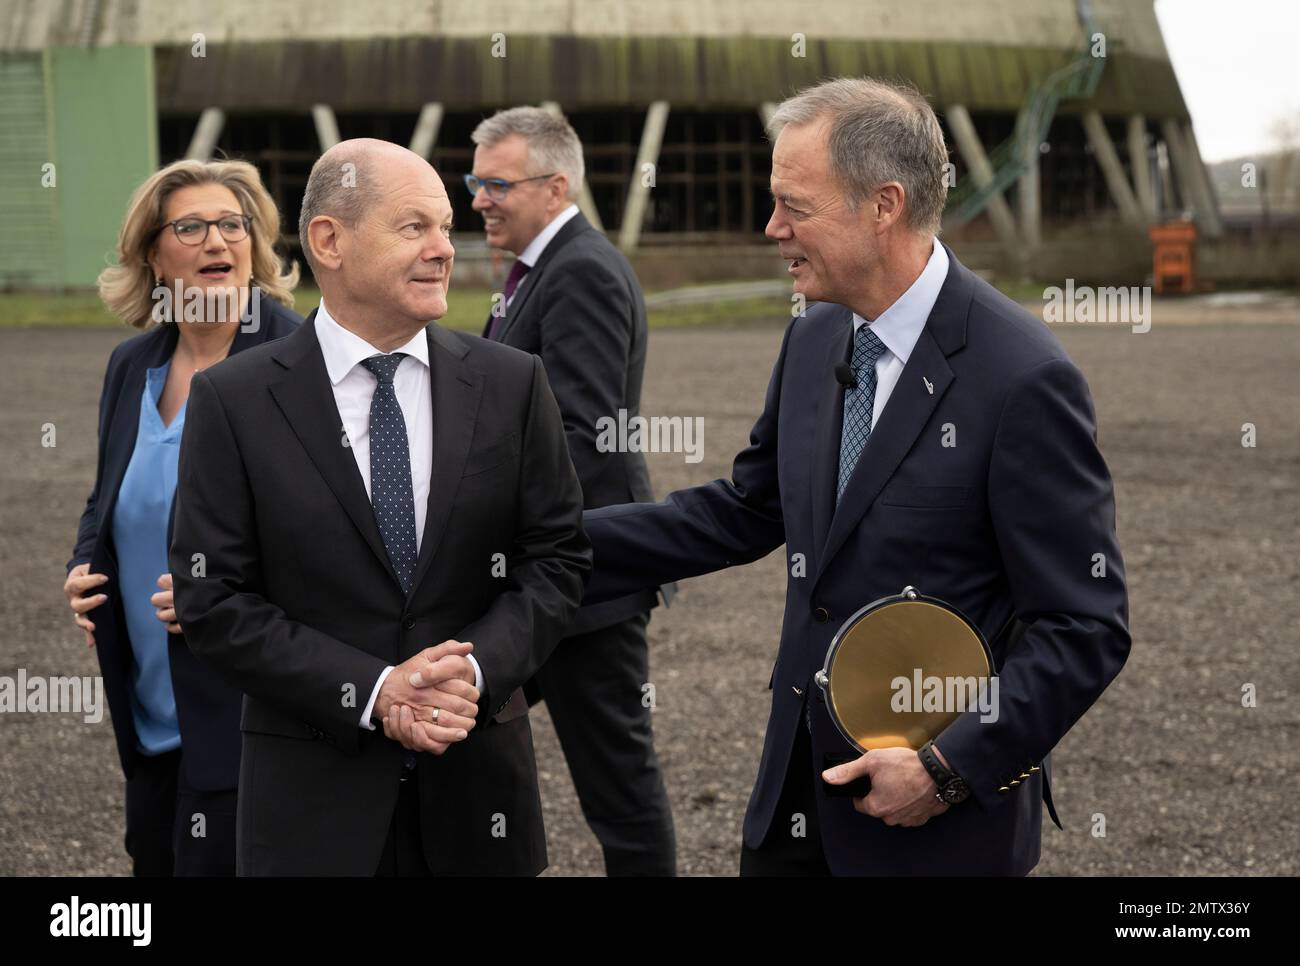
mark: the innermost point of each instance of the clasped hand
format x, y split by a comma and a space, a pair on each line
429, 702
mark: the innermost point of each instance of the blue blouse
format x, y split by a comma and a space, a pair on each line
140, 518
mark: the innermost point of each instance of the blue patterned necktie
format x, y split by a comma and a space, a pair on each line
858, 402
390, 469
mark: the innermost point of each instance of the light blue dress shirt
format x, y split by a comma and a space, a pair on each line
140, 518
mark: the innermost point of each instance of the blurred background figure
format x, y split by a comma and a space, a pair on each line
195, 255
572, 299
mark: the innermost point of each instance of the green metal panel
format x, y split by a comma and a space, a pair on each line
105, 145
28, 209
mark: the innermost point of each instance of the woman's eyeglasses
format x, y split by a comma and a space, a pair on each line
193, 231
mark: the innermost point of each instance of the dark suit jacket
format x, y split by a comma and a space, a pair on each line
580, 308
300, 606
1003, 524
207, 705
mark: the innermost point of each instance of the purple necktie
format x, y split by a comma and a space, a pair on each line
517, 272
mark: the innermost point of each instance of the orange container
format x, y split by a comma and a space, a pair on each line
1174, 258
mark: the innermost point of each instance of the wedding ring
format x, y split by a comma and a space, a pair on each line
436, 712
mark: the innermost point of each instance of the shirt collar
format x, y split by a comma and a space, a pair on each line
900, 325
343, 349
538, 244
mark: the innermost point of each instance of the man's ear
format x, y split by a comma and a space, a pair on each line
887, 205
559, 189
324, 235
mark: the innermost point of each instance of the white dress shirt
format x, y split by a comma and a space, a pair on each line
900, 325
354, 388
538, 245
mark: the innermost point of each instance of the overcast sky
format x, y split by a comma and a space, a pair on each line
1238, 64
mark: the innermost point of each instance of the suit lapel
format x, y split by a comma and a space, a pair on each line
924, 380
830, 416
528, 283
516, 307
306, 398
126, 418
524, 290
487, 326
244, 339
909, 408
456, 389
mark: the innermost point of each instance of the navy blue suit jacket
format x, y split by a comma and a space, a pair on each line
207, 706
1004, 525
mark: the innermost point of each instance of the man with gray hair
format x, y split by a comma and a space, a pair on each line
921, 429
572, 299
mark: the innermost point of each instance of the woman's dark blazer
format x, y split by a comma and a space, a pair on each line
207, 706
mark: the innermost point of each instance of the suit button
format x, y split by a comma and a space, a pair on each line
821, 615
408, 622
1004, 789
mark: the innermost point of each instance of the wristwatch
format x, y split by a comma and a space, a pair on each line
952, 787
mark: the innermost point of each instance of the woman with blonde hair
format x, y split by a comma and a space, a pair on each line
196, 267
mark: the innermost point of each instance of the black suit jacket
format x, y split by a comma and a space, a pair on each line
298, 603
1003, 525
580, 309
207, 705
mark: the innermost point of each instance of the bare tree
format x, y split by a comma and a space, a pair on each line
1282, 167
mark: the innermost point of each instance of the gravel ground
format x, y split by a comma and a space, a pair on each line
1189, 781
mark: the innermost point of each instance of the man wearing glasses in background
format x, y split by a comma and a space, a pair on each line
572, 299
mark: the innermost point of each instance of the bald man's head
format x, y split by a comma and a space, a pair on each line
376, 228
349, 178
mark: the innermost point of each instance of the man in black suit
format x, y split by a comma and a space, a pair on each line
920, 429
377, 521
572, 299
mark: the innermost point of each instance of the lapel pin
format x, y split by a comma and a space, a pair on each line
929, 386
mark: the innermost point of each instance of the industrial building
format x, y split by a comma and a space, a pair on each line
1059, 112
